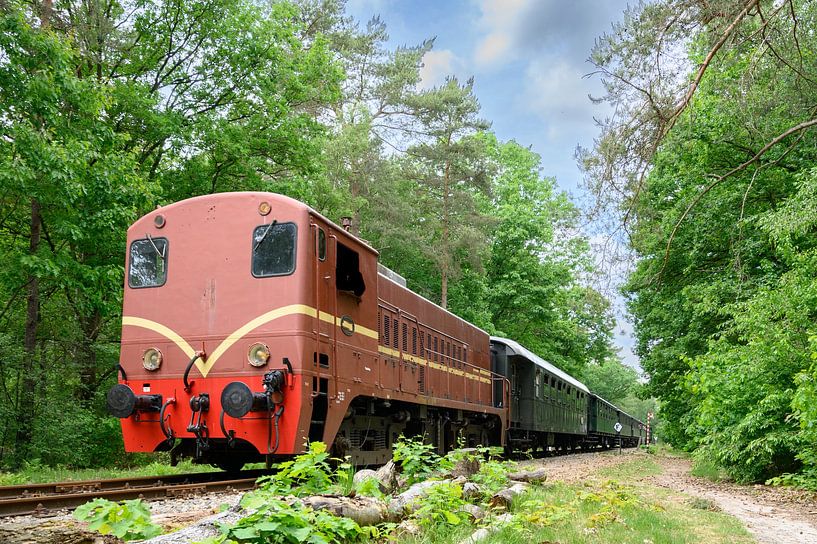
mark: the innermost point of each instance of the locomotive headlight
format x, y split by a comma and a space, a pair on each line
258, 354
152, 359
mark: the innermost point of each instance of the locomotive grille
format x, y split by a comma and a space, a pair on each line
421, 379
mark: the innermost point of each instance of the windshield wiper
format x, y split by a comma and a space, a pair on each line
160, 253
263, 236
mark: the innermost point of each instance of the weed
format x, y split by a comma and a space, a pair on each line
440, 505
806, 480
128, 520
493, 475
416, 459
281, 522
307, 474
703, 504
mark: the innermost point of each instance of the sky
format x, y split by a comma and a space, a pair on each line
528, 59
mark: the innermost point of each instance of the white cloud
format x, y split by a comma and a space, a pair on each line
500, 18
437, 65
556, 92
494, 47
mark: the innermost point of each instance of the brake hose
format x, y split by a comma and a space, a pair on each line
229, 435
187, 370
167, 432
276, 417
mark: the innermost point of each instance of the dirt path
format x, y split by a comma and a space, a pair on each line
772, 515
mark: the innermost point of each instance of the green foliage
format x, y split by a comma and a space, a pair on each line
128, 520
281, 522
416, 459
441, 505
720, 216
493, 474
806, 480
306, 474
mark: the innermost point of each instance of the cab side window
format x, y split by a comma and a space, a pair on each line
321, 244
273, 249
148, 263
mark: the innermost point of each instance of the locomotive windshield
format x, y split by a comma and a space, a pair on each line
273, 252
148, 263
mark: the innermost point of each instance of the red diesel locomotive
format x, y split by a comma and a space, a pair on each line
252, 325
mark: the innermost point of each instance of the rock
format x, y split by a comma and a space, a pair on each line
387, 474
363, 510
467, 466
410, 527
202, 529
471, 491
482, 534
473, 510
505, 497
408, 501
539, 475
52, 532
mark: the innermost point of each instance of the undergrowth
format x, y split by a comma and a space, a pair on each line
613, 505
804, 480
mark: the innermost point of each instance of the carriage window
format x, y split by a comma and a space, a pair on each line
148, 263
536, 381
273, 249
347, 272
321, 244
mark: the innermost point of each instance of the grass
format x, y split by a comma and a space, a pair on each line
615, 505
632, 470
35, 472
704, 468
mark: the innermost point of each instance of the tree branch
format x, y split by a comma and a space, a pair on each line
802, 126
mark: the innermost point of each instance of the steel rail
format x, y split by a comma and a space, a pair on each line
40, 498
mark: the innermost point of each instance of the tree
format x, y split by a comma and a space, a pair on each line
106, 112
536, 264
451, 174
700, 158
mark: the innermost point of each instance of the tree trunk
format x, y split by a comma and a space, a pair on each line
445, 235
86, 357
26, 406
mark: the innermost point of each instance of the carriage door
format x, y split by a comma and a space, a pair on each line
323, 354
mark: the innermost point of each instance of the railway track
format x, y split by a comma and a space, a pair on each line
39, 499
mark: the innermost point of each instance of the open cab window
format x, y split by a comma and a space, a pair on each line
347, 273
273, 249
148, 263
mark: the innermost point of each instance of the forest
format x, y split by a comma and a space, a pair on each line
110, 108
707, 172
703, 174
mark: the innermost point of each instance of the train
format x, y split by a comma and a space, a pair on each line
253, 325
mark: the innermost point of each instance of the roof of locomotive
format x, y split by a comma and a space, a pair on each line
520, 350
289, 201
418, 295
